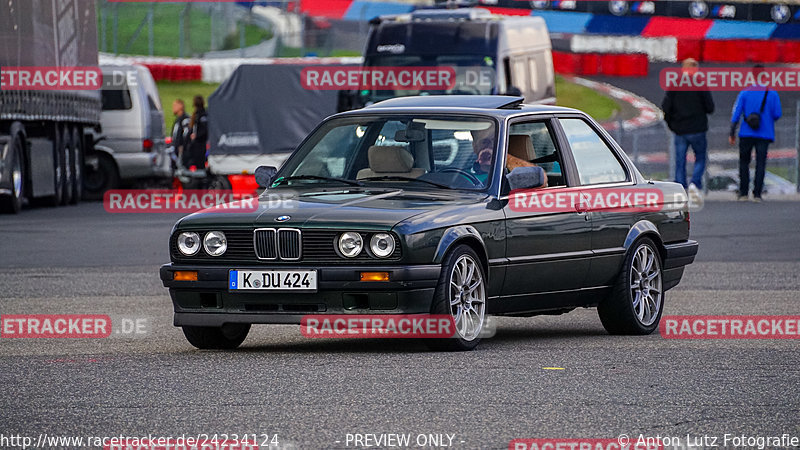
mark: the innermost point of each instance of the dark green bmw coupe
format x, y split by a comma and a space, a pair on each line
467, 206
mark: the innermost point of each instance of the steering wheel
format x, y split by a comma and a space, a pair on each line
472, 178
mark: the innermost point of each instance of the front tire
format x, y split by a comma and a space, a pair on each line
637, 300
461, 293
227, 337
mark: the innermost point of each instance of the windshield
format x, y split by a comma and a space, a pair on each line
417, 152
474, 74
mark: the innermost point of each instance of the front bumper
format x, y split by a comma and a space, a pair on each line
208, 302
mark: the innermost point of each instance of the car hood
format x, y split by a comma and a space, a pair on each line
367, 209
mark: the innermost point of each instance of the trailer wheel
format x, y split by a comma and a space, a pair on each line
12, 204
58, 177
67, 165
77, 165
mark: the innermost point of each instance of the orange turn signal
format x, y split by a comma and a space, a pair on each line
184, 275
374, 276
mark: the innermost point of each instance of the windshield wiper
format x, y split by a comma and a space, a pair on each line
318, 177
399, 177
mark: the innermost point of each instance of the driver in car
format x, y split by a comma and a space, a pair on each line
483, 146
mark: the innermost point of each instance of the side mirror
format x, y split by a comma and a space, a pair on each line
526, 178
514, 91
264, 175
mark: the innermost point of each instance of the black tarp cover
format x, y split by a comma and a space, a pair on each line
264, 109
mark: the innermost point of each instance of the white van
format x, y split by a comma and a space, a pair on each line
515, 51
132, 147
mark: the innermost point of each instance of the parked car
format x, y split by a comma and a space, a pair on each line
133, 146
400, 188
728, 180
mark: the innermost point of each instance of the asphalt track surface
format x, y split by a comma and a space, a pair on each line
313, 393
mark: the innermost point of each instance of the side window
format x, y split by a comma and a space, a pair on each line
546, 69
533, 72
595, 161
533, 142
116, 99
519, 78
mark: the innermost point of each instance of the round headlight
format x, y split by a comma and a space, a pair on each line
215, 243
189, 243
382, 244
350, 244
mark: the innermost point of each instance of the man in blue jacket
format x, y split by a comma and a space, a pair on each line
759, 108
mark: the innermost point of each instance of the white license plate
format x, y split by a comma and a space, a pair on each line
272, 280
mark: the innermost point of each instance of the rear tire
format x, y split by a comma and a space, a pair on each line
68, 165
637, 300
58, 169
12, 204
77, 168
227, 337
97, 181
461, 293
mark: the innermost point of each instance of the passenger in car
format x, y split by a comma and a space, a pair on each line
520, 151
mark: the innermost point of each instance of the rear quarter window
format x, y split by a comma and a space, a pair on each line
116, 100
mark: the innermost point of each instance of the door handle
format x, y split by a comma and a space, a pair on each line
582, 207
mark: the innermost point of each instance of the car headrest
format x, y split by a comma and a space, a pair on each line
520, 146
389, 158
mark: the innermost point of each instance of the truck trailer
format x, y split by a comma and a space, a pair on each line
46, 135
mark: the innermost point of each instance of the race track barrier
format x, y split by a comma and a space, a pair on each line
608, 64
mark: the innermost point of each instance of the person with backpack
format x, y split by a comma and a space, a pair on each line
759, 108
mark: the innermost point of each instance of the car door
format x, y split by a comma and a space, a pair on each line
601, 174
547, 250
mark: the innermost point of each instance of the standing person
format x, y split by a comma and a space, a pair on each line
198, 127
759, 108
686, 114
180, 128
